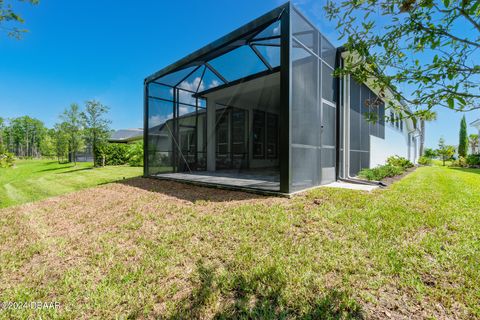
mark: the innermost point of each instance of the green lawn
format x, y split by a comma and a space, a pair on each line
32, 180
437, 162
148, 249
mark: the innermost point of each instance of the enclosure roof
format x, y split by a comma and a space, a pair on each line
219, 46
476, 123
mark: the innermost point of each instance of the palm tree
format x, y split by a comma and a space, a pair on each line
427, 115
473, 142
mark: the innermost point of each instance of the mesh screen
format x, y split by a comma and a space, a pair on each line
313, 109
217, 121
367, 118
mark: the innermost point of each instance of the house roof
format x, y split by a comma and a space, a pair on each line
126, 135
476, 123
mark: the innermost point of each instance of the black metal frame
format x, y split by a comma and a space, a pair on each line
245, 35
224, 45
284, 152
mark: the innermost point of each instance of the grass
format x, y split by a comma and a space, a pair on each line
32, 180
437, 162
155, 249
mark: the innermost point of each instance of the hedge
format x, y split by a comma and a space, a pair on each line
116, 154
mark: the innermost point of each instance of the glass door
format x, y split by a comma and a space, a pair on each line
231, 138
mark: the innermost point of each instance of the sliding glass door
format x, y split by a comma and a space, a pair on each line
231, 138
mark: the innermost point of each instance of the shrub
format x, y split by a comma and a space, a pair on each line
381, 172
425, 161
114, 153
430, 153
398, 161
473, 159
460, 162
6, 159
135, 155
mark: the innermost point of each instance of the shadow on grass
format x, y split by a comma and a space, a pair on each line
188, 192
74, 170
55, 169
468, 170
259, 296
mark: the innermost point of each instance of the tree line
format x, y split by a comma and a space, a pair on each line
467, 149
77, 130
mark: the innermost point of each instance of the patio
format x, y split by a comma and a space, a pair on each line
263, 181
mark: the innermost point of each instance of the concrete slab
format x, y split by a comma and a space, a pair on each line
351, 186
241, 180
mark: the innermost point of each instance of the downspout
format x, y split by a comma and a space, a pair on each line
338, 64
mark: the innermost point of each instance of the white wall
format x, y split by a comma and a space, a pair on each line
395, 143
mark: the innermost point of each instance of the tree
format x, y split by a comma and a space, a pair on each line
463, 138
23, 136
96, 126
61, 141
47, 144
446, 152
6, 158
431, 45
9, 19
2, 128
430, 153
426, 115
72, 125
473, 142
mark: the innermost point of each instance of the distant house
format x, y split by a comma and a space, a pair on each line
126, 136
476, 124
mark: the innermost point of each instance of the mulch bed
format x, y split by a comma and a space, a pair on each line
389, 180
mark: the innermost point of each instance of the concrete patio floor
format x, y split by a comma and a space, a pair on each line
260, 180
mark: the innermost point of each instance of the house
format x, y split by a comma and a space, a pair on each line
126, 136
476, 124
259, 109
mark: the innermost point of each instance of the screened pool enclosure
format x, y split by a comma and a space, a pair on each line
255, 109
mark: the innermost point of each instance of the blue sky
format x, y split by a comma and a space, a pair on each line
80, 50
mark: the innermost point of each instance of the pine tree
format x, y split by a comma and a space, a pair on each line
463, 143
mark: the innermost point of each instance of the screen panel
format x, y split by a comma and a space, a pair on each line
305, 118
160, 136
313, 107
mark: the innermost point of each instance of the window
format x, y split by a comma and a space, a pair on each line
401, 125
238, 133
222, 133
258, 134
397, 123
265, 135
272, 135
392, 117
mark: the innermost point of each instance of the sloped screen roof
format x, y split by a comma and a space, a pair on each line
249, 50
